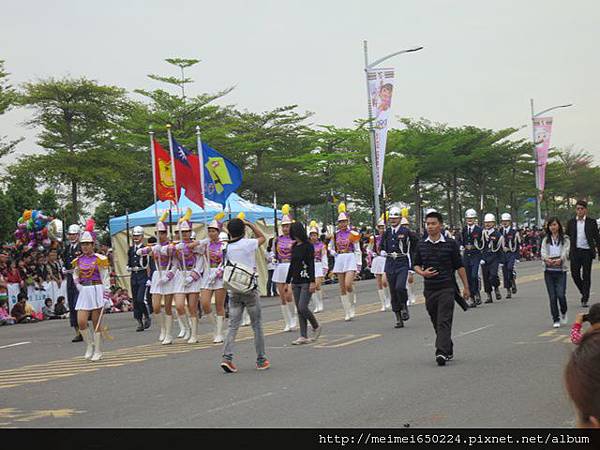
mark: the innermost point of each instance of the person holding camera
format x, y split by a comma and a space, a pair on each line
593, 317
555, 252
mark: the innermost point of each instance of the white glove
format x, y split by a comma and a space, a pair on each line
128, 269
148, 283
333, 253
78, 286
382, 253
482, 262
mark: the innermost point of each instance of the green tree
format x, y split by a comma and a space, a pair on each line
8, 98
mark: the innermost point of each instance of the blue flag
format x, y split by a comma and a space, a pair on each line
221, 176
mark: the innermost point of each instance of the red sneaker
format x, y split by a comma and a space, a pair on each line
263, 365
228, 366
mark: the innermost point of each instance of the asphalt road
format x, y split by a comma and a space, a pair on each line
507, 371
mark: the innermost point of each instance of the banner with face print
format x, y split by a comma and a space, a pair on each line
542, 127
381, 86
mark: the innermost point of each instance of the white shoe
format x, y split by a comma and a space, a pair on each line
218, 338
87, 337
300, 341
346, 306
168, 326
161, 320
563, 319
97, 356
193, 331
556, 325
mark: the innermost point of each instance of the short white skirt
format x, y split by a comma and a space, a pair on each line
319, 269
378, 265
281, 271
160, 285
181, 287
344, 262
90, 297
210, 281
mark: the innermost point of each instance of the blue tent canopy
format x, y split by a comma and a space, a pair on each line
236, 203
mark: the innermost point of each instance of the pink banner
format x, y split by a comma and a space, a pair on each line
542, 127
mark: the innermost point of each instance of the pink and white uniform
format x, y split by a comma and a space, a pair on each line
283, 256
190, 267
213, 276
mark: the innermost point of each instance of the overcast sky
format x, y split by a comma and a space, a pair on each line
482, 62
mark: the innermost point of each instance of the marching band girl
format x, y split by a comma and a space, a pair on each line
378, 264
321, 264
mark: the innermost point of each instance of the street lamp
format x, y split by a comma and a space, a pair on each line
370, 110
538, 205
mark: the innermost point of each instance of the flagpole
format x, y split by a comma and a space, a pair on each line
176, 195
153, 156
274, 214
201, 164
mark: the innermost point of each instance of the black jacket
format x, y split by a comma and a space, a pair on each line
591, 234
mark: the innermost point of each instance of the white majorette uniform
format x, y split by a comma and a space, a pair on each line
378, 261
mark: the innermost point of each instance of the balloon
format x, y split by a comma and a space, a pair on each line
20, 221
22, 226
46, 242
44, 232
27, 214
30, 224
34, 214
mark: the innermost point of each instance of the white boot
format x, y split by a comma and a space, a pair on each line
89, 340
411, 293
161, 321
246, 318
182, 327
352, 300
293, 316
219, 330
346, 306
186, 327
168, 327
286, 318
318, 296
194, 331
382, 299
97, 356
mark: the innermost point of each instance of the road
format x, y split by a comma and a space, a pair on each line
507, 371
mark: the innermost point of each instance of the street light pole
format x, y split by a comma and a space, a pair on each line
370, 112
538, 191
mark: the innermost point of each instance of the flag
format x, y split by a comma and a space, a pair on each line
163, 176
187, 171
542, 127
221, 176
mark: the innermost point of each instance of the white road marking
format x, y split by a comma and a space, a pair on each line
475, 330
14, 345
240, 402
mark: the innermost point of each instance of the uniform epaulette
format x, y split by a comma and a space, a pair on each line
102, 260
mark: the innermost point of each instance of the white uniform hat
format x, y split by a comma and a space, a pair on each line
381, 222
312, 227
185, 223
489, 218
404, 221
394, 212
138, 231
470, 214
430, 210
342, 215
223, 237
73, 229
287, 218
86, 236
506, 216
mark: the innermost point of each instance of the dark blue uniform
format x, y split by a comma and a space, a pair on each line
471, 239
139, 278
512, 246
403, 242
69, 254
492, 257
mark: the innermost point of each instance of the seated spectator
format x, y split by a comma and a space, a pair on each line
5, 317
18, 311
60, 309
14, 275
582, 380
593, 317
48, 311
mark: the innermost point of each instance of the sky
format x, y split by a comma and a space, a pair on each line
482, 63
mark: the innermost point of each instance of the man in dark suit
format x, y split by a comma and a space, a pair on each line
137, 266
585, 241
71, 251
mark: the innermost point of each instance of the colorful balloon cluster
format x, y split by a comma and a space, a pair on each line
35, 229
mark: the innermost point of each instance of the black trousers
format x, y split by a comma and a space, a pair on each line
508, 269
489, 271
471, 261
271, 287
72, 294
440, 306
581, 271
138, 291
396, 271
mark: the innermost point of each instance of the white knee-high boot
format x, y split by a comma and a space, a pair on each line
382, 299
318, 296
168, 327
193, 331
411, 293
293, 316
182, 327
352, 300
346, 306
161, 321
286, 317
218, 338
89, 340
97, 356
187, 329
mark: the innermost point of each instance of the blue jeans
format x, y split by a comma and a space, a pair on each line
237, 303
556, 283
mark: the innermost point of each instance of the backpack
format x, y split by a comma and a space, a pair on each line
237, 277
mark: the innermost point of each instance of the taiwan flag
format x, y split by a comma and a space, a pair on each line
163, 174
187, 173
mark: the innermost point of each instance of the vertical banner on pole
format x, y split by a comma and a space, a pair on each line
542, 127
381, 86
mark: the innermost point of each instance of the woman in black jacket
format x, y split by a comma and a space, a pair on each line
301, 280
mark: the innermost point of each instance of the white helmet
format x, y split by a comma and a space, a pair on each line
138, 231
430, 210
404, 221
505, 216
489, 218
74, 229
470, 214
395, 212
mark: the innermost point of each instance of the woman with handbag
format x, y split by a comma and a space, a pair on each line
239, 278
555, 252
